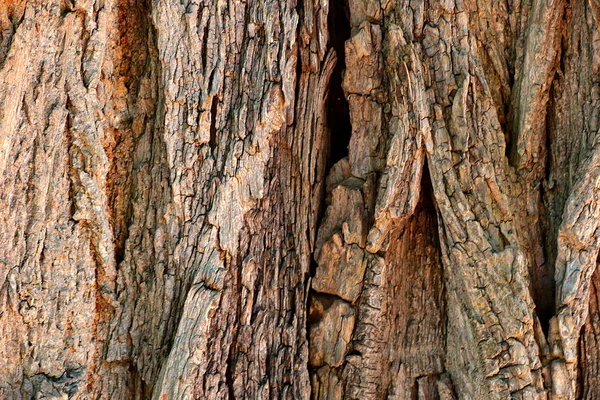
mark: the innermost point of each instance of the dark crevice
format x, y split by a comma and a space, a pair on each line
138, 388
507, 128
213, 123
338, 111
426, 199
340, 130
313, 263
544, 289
69, 140
205, 49
428, 205
300, 11
581, 358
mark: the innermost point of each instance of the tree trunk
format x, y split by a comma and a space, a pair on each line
299, 199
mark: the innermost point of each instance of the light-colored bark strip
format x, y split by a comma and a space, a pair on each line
58, 270
541, 51
577, 253
244, 147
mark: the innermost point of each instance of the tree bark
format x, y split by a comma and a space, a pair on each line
272, 199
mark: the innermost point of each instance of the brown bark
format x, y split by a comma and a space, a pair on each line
272, 199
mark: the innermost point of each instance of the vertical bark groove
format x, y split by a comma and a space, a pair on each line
338, 113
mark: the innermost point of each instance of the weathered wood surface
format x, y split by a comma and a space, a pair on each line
273, 199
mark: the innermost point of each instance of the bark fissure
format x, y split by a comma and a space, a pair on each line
212, 141
544, 286
338, 113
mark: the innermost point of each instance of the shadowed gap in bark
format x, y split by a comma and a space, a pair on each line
581, 378
137, 387
544, 284
213, 123
338, 111
340, 130
426, 199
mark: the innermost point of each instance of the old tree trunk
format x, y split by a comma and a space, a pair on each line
257, 199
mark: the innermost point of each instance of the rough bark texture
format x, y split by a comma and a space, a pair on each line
299, 199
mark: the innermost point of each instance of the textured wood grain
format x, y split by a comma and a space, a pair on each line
308, 199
